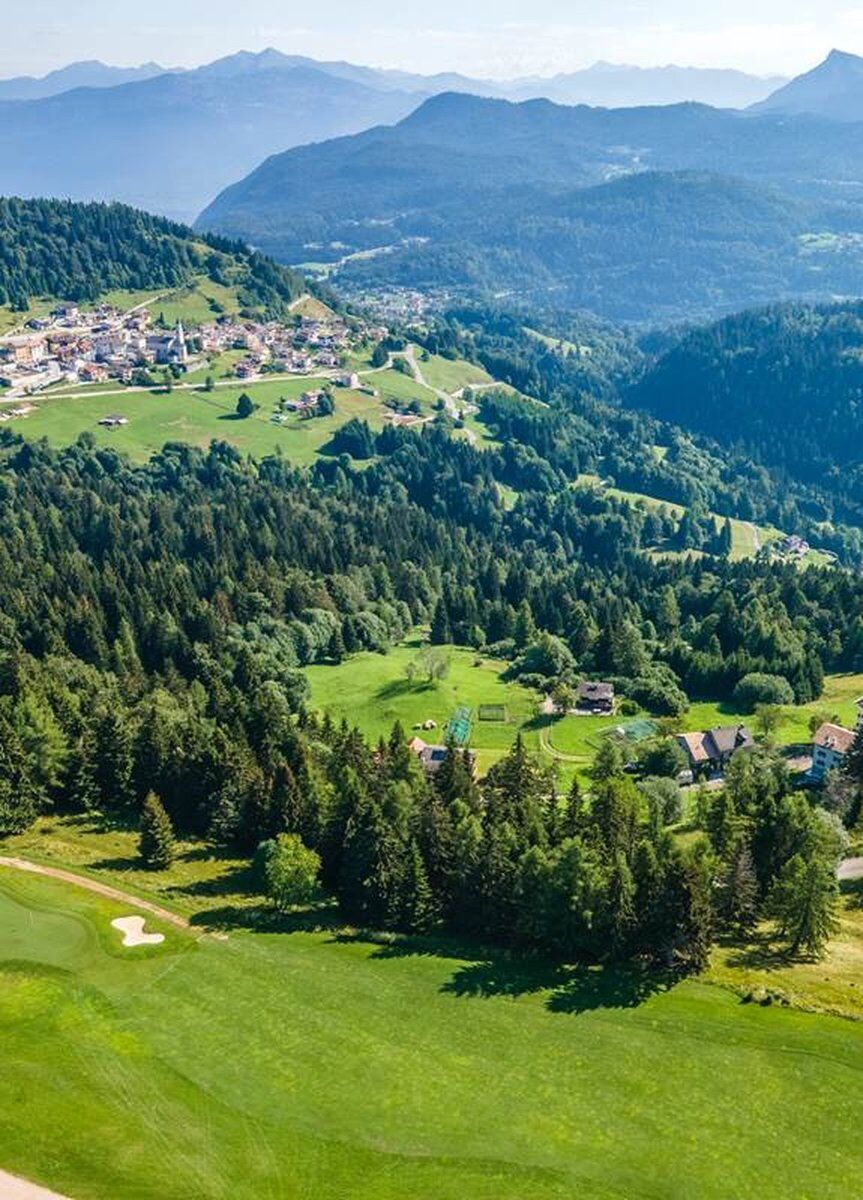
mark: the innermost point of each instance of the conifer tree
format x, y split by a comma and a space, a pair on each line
440, 629
156, 843
417, 909
804, 900
738, 888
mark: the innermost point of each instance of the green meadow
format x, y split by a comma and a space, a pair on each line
299, 1060
198, 417
450, 375
373, 692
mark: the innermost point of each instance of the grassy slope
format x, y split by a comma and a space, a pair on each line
298, 1065
198, 417
450, 375
743, 533
373, 691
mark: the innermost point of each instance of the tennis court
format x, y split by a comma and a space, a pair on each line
459, 726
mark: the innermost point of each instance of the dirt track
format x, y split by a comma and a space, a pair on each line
12, 1188
92, 885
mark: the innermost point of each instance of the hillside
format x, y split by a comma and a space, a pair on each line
477, 194
484, 196
785, 383
65, 251
170, 143
833, 89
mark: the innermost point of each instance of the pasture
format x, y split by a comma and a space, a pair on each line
373, 691
198, 417
450, 375
300, 1060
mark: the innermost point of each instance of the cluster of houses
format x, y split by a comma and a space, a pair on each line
790, 547
87, 347
74, 346
312, 344
710, 752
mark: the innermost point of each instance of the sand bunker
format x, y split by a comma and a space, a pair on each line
132, 929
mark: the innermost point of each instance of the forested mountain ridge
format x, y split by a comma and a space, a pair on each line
483, 195
783, 383
77, 252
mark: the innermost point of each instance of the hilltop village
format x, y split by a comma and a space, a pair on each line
73, 346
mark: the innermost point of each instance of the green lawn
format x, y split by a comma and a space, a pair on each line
373, 692
311, 1064
201, 302
450, 375
393, 385
198, 417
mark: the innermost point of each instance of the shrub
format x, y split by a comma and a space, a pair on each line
756, 688
288, 871
660, 694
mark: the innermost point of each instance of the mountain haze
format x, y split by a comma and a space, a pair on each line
613, 85
168, 144
834, 89
76, 75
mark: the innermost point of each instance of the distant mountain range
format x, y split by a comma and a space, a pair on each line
80, 74
834, 89
170, 140
612, 85
390, 177
168, 144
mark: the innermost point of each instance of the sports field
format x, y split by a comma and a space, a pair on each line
299, 1064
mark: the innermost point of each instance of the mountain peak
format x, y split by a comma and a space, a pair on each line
833, 89
842, 58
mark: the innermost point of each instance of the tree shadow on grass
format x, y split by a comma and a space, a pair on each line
853, 889
541, 721
488, 973
263, 918
121, 864
240, 880
761, 952
403, 687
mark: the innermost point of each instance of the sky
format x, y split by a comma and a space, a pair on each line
490, 38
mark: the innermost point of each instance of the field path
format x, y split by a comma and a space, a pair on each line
13, 1188
93, 885
547, 748
452, 407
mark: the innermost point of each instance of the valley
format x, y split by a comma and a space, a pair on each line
431, 619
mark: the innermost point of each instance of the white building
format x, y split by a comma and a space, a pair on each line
832, 745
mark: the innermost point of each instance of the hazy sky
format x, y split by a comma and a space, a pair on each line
480, 37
